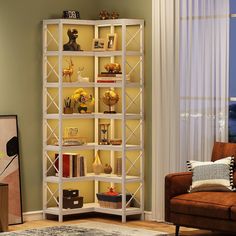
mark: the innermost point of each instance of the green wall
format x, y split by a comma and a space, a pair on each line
21, 77
141, 9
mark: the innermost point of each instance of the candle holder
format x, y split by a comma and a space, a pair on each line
104, 134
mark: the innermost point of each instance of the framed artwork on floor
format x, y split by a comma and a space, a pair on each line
10, 166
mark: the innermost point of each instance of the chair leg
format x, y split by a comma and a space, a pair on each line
177, 230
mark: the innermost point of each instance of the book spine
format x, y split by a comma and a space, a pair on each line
106, 81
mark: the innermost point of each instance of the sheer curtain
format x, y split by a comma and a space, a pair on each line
204, 40
190, 85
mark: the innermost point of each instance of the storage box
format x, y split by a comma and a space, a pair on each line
72, 202
110, 201
70, 192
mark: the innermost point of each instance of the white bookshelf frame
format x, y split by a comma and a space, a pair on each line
96, 115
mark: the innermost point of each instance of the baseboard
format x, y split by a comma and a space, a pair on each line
148, 217
38, 215
32, 215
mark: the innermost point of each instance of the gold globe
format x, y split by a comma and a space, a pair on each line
110, 98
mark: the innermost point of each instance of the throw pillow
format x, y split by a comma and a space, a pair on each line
212, 176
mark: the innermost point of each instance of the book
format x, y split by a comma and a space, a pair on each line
103, 74
106, 81
67, 162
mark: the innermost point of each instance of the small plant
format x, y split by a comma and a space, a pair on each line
68, 109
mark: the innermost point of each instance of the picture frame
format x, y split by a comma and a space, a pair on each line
71, 132
10, 166
112, 42
99, 44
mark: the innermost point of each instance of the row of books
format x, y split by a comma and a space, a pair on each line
74, 165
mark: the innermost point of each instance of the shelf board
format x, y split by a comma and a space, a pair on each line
128, 147
91, 146
88, 207
93, 84
99, 23
111, 178
91, 53
118, 116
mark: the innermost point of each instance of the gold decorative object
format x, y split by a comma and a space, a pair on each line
97, 165
104, 134
68, 72
113, 68
110, 98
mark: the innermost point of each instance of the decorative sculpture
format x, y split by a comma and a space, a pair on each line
80, 78
110, 98
67, 72
72, 45
82, 99
113, 68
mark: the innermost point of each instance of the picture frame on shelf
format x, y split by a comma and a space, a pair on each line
71, 132
112, 42
99, 44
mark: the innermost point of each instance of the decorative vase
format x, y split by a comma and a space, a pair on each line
82, 109
107, 169
68, 110
97, 165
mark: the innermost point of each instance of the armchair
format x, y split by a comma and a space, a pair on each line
205, 210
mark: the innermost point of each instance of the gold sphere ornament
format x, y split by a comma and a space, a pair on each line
110, 98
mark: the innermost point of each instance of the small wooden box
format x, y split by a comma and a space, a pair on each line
72, 202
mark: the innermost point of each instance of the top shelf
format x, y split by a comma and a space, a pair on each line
99, 23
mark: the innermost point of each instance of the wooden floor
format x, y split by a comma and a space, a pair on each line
115, 220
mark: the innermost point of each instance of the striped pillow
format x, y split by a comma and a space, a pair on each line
212, 176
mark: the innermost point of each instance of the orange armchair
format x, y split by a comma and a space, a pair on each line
204, 210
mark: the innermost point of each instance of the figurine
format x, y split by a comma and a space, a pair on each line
104, 15
80, 78
67, 72
113, 68
114, 15
72, 45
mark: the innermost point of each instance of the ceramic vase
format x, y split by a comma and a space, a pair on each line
97, 165
107, 169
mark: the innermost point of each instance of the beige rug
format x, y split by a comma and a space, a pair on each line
87, 229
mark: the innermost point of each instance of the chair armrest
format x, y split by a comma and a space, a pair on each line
175, 184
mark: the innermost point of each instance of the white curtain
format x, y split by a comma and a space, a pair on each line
165, 97
204, 40
190, 85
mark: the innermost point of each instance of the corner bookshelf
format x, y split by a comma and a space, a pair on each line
126, 124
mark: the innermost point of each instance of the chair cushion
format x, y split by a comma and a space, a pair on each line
212, 176
207, 204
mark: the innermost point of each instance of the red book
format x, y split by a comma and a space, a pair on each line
67, 164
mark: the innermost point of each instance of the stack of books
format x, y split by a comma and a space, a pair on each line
105, 77
74, 165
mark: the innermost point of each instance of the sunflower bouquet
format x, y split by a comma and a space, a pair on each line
82, 100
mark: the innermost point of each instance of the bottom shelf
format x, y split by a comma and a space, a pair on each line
90, 207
